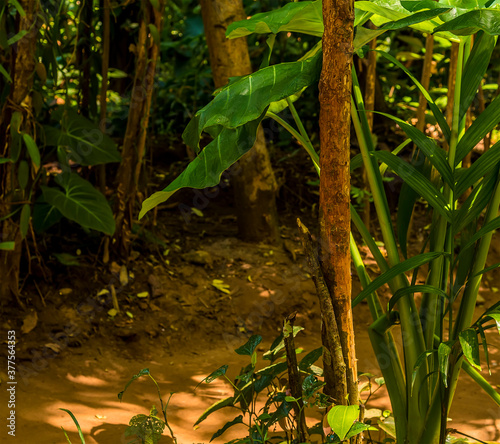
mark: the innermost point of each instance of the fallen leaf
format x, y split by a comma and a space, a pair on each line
29, 322
221, 286
143, 294
113, 312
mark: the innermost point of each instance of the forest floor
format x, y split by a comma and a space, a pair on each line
190, 294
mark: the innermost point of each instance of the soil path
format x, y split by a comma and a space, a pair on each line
78, 357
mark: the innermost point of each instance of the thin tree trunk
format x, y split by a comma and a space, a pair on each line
134, 143
335, 102
104, 86
22, 59
371, 72
255, 185
83, 54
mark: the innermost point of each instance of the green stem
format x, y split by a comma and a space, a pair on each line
305, 142
483, 383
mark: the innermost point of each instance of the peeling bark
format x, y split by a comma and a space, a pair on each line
335, 100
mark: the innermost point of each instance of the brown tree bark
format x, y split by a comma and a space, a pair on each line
134, 143
255, 184
22, 60
335, 101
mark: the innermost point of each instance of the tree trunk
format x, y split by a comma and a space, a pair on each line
22, 62
134, 143
255, 184
335, 101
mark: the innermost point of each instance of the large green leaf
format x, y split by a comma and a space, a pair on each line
214, 407
250, 346
416, 18
304, 17
83, 141
237, 420
341, 418
483, 165
246, 98
444, 351
470, 346
82, 203
487, 20
44, 215
475, 68
206, 169
484, 123
417, 181
402, 267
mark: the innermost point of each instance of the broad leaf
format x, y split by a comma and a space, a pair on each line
237, 420
470, 346
250, 346
402, 267
7, 246
207, 168
215, 374
444, 351
413, 19
82, 203
341, 418
44, 215
214, 407
487, 20
310, 359
304, 17
32, 149
84, 142
245, 99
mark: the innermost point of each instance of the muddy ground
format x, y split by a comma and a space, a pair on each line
190, 293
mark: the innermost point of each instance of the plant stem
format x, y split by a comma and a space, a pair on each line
305, 142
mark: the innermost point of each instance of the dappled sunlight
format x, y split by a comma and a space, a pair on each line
90, 381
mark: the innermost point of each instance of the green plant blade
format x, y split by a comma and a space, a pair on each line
487, 20
475, 203
44, 215
143, 372
214, 407
432, 151
32, 149
402, 267
417, 181
470, 346
7, 246
83, 141
414, 19
415, 289
82, 203
250, 95
490, 226
207, 168
421, 359
304, 17
436, 112
250, 346
483, 165
444, 351
341, 418
80, 433
237, 420
475, 68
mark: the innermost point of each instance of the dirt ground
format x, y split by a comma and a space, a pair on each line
188, 297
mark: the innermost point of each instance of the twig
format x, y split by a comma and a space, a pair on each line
294, 379
331, 337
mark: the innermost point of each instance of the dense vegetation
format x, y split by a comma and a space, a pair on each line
91, 92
